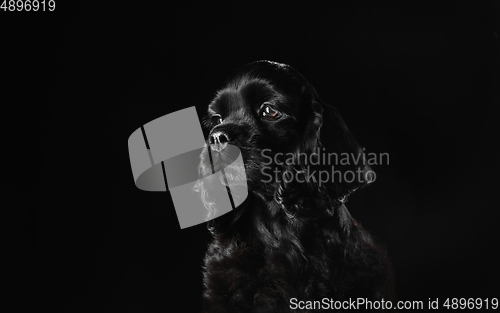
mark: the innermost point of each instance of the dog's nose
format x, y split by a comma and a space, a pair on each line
218, 141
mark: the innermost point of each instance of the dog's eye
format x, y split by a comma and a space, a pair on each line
269, 113
216, 119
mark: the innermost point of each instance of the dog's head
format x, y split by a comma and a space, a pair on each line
293, 145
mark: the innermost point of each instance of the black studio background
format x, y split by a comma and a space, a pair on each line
420, 82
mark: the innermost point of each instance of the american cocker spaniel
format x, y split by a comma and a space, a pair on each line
292, 245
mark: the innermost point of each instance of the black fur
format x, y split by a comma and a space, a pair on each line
288, 239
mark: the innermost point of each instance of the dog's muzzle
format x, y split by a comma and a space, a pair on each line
218, 141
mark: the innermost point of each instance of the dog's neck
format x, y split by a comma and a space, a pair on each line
259, 207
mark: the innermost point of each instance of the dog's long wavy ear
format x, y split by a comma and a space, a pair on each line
340, 155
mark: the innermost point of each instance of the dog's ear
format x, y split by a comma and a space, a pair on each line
327, 153
340, 155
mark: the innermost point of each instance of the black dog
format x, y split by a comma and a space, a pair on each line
292, 240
